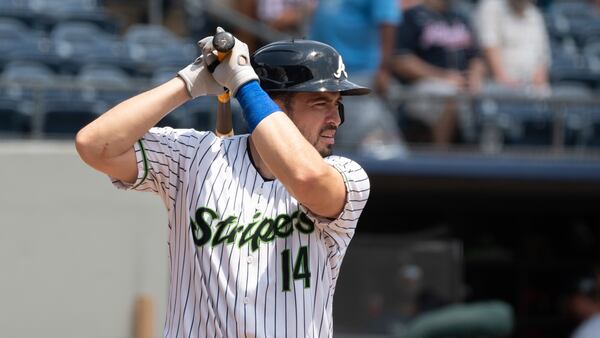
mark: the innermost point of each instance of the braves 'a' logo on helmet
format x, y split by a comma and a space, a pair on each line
341, 69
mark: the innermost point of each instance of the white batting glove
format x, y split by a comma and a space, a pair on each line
235, 70
197, 78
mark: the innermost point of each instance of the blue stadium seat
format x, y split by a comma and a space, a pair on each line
12, 35
52, 12
520, 123
77, 43
18, 42
568, 66
18, 9
592, 56
152, 47
13, 117
26, 80
577, 131
105, 85
63, 118
565, 18
25, 83
586, 30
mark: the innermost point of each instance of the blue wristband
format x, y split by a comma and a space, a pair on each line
256, 104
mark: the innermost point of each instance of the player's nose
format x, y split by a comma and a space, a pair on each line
334, 116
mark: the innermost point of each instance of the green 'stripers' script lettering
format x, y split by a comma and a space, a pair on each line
208, 227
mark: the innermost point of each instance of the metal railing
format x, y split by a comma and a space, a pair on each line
489, 129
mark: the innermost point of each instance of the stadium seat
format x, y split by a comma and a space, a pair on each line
13, 117
568, 66
586, 30
74, 46
19, 42
592, 56
576, 113
18, 9
568, 18
105, 85
63, 118
518, 123
52, 12
152, 47
26, 80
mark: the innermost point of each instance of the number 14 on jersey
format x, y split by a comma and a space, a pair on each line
298, 269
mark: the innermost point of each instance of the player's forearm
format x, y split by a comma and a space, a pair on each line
296, 163
115, 131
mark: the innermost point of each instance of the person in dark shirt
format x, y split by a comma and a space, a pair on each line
437, 56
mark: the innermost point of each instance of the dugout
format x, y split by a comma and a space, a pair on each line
524, 225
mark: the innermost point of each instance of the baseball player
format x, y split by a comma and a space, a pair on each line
258, 223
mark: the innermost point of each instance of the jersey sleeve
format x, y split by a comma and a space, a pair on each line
163, 157
357, 192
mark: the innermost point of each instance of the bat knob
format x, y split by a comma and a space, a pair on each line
223, 42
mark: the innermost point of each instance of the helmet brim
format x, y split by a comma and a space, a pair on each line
343, 86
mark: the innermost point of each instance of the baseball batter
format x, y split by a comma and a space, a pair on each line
258, 223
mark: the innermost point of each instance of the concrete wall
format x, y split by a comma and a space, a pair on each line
74, 252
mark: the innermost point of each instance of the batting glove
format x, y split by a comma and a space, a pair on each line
197, 78
235, 70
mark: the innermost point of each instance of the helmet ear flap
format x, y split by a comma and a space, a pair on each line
341, 112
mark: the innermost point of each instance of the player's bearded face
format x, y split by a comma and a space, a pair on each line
317, 117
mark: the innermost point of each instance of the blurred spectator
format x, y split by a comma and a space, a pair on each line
515, 43
286, 16
407, 4
583, 304
596, 5
363, 33
437, 55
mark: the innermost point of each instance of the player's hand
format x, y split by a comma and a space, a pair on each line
235, 70
197, 78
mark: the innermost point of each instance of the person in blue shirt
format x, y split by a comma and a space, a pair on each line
363, 31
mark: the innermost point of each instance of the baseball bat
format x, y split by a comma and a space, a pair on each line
144, 317
223, 43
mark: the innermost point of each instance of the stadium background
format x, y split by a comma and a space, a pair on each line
514, 221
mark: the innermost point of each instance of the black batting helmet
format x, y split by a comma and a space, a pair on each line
303, 66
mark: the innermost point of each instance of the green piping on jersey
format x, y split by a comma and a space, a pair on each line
145, 164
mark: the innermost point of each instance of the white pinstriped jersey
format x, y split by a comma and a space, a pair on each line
246, 260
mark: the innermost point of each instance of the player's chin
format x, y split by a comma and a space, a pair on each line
325, 145
325, 150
